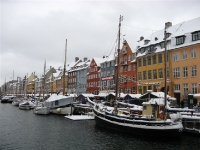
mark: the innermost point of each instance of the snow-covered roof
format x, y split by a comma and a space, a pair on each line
135, 95
108, 58
157, 94
98, 61
88, 95
158, 101
182, 29
186, 29
54, 97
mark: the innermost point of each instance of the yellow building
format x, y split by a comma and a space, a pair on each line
182, 66
31, 83
151, 61
185, 58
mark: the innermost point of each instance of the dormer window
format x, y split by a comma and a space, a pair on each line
162, 44
142, 50
180, 40
196, 36
156, 38
146, 42
168, 35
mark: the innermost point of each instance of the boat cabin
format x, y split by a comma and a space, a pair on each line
153, 108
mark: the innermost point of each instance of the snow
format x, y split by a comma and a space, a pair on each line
158, 101
80, 117
54, 97
197, 95
135, 95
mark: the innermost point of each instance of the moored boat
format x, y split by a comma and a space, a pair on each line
60, 104
27, 104
146, 121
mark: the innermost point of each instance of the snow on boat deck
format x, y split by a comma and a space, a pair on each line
80, 117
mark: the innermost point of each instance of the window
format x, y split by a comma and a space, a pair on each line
193, 53
144, 107
134, 78
176, 72
184, 54
113, 72
194, 71
139, 63
129, 57
154, 74
149, 60
149, 87
177, 87
140, 89
144, 61
108, 64
167, 72
144, 89
196, 36
140, 75
180, 40
194, 88
108, 73
185, 72
159, 58
176, 56
185, 89
160, 73
129, 68
149, 74
125, 68
144, 75
134, 67
104, 74
154, 59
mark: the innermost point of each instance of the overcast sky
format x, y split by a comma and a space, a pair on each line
33, 31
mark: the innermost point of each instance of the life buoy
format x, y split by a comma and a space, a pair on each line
161, 116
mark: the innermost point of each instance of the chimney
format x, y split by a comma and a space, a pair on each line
85, 59
141, 38
168, 24
76, 59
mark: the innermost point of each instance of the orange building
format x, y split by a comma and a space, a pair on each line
127, 69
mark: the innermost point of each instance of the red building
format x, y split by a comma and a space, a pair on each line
93, 76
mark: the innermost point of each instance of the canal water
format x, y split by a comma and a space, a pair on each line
24, 130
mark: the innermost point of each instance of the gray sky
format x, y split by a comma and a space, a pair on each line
33, 31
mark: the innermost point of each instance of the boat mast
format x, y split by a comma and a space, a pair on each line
5, 87
13, 84
44, 78
118, 50
64, 68
165, 81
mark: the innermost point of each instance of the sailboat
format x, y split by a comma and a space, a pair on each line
40, 108
149, 120
60, 104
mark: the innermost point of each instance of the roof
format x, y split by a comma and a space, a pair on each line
157, 94
98, 61
184, 28
158, 101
